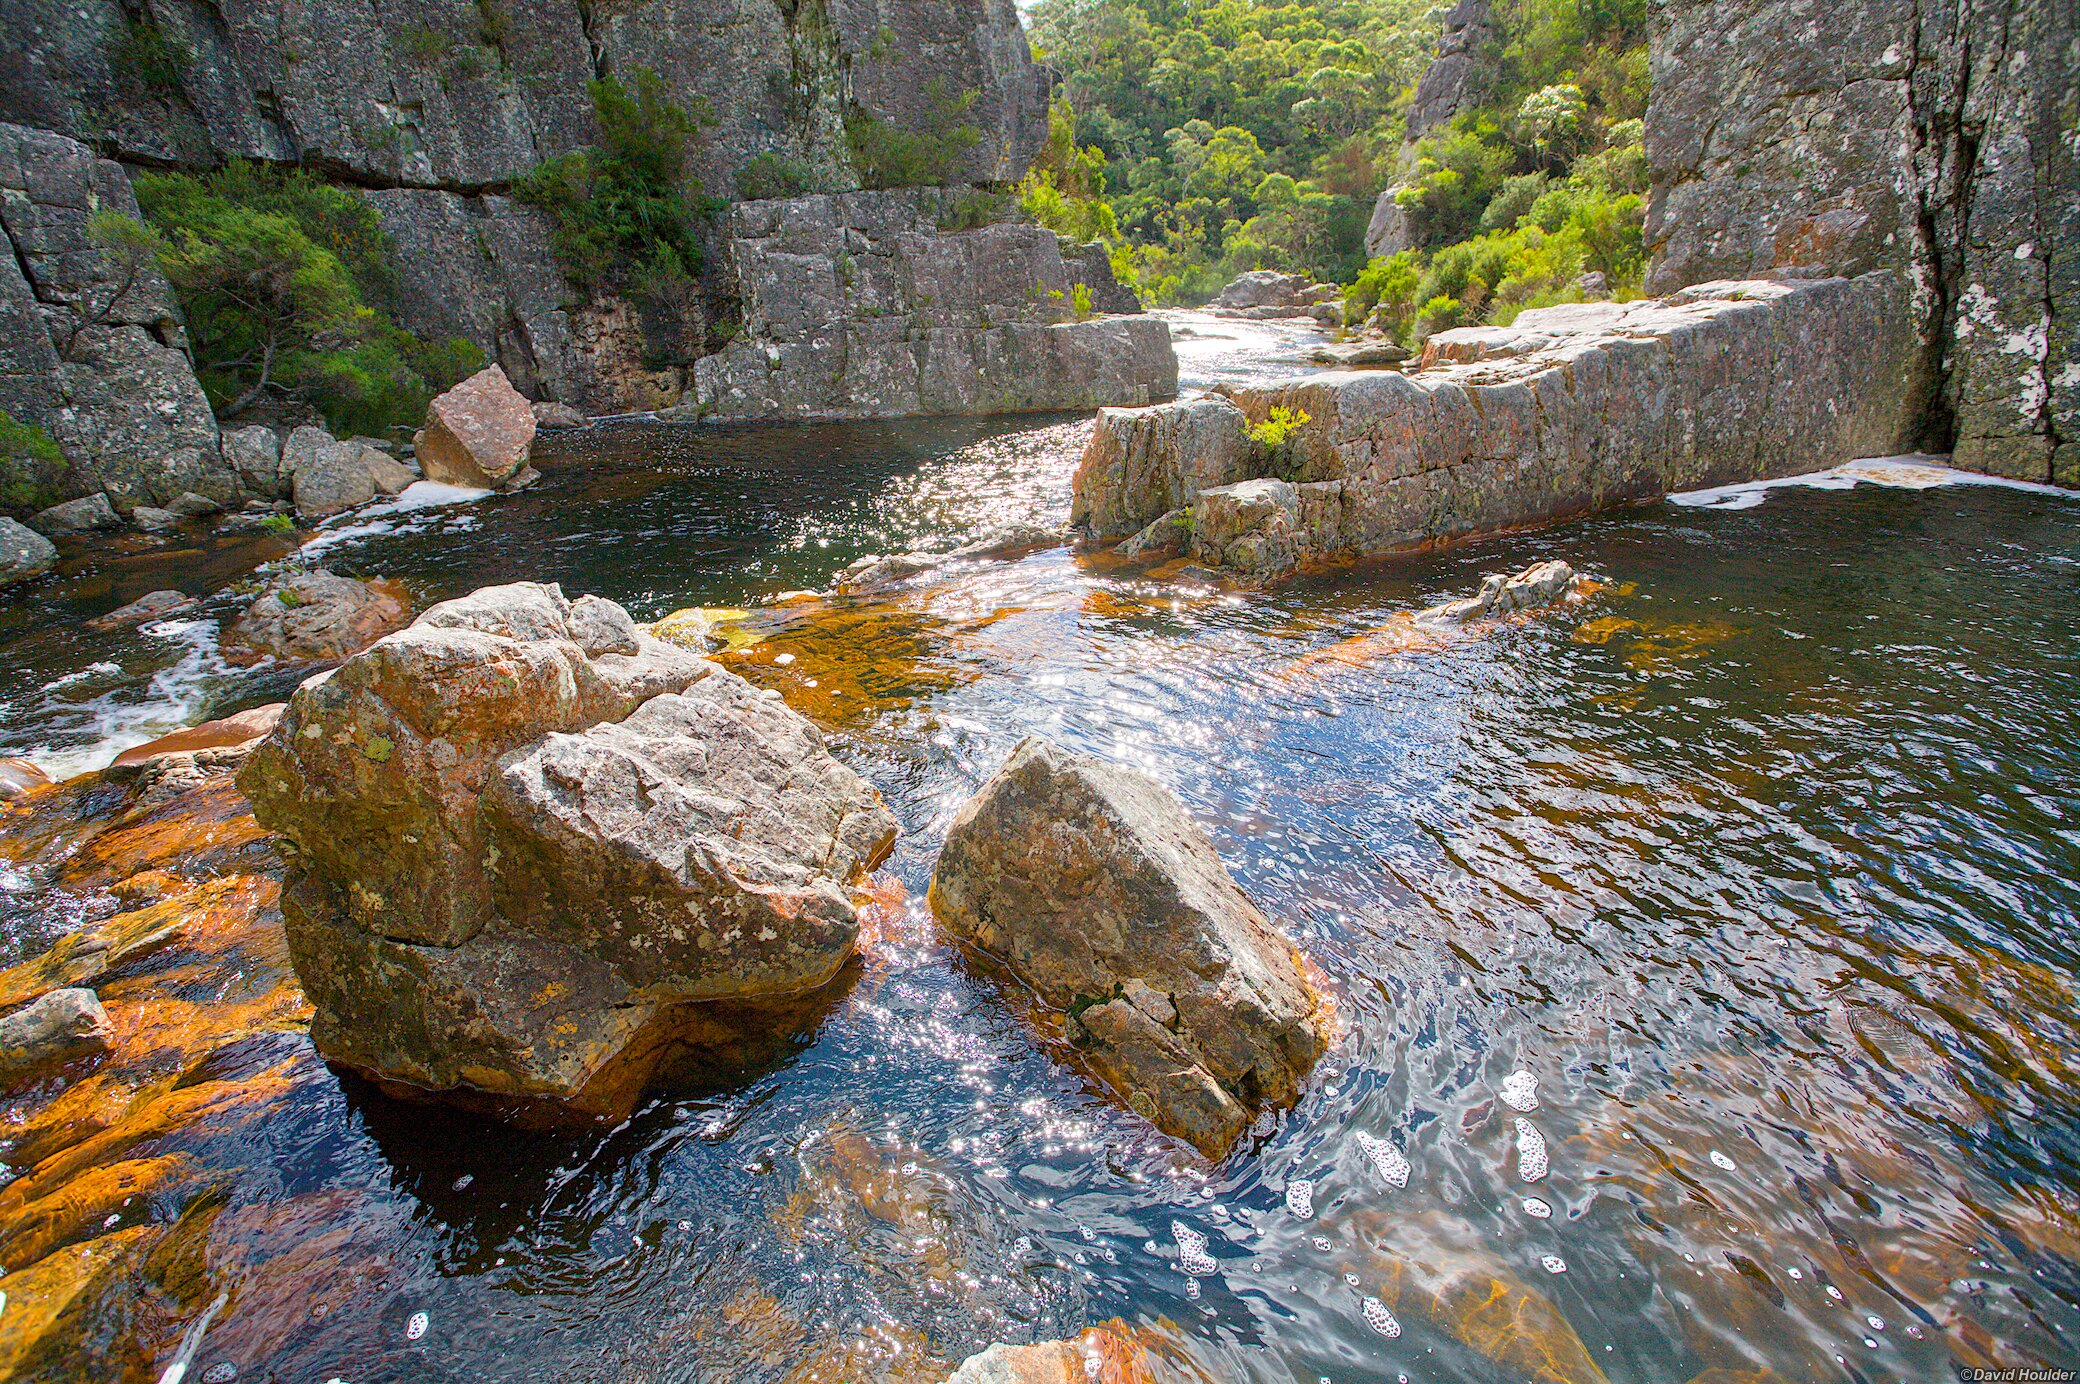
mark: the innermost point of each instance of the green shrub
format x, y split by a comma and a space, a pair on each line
972, 208
772, 175
280, 277
1439, 314
31, 466
1080, 301
145, 61
1390, 280
887, 156
627, 206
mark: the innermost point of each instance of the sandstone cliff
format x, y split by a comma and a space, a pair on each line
1940, 139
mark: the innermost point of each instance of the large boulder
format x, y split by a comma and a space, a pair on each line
533, 847
24, 553
1094, 887
256, 454
478, 433
315, 617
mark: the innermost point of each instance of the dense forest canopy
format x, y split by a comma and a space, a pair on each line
1207, 138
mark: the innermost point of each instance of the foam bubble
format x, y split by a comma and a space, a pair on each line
1300, 1198
1380, 1319
1531, 1151
1386, 1159
1519, 1091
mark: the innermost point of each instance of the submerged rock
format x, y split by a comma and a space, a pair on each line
1094, 887
317, 617
57, 1028
875, 572
226, 732
24, 553
153, 605
1540, 584
534, 847
18, 776
1099, 1355
477, 434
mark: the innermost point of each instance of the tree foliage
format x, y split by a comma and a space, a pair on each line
287, 293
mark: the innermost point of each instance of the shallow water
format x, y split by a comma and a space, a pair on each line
1760, 865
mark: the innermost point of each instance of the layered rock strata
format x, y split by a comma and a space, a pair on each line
1938, 140
1571, 409
860, 306
532, 848
1093, 886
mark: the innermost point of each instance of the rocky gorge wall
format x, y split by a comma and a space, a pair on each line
1938, 139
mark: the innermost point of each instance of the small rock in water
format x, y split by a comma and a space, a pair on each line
1554, 1263
1192, 1257
1531, 1151
1386, 1158
1380, 1319
1720, 1160
1519, 1091
416, 1327
1300, 1198
1537, 1206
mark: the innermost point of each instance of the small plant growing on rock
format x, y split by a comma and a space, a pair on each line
30, 466
1080, 302
773, 175
1277, 443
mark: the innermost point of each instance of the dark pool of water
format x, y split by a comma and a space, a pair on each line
1764, 862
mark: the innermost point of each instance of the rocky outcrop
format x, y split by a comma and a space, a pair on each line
90, 350
1568, 410
19, 776
317, 617
532, 847
878, 572
24, 553
859, 306
88, 514
1935, 140
1092, 885
1454, 81
241, 728
1266, 293
152, 605
477, 434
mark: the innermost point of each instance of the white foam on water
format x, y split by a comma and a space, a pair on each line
1539, 1207
1192, 1257
124, 713
1519, 1091
1386, 1159
1531, 1151
1300, 1198
1380, 1319
416, 1327
1720, 1160
1916, 472
1554, 1263
391, 516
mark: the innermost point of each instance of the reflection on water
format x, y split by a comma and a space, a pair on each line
1705, 951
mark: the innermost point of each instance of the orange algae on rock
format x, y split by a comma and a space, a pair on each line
208, 1028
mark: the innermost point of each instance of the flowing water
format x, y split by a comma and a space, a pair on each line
1704, 950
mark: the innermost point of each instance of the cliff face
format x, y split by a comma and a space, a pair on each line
1451, 83
467, 95
1940, 138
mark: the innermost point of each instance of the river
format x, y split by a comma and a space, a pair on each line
1748, 888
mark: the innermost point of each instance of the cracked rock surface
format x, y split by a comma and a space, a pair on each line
533, 848
1093, 886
